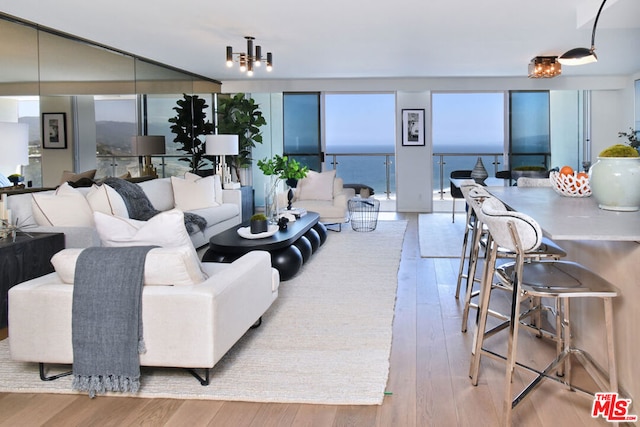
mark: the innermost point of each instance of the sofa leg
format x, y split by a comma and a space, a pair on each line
44, 377
257, 324
203, 381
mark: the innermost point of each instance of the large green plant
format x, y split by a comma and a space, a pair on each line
189, 125
239, 115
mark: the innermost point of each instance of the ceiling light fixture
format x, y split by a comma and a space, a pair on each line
249, 59
544, 67
582, 55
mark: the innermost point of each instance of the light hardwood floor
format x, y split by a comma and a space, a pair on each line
428, 378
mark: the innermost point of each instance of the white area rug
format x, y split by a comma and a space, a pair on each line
439, 237
326, 339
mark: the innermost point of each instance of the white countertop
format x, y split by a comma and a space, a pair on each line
570, 218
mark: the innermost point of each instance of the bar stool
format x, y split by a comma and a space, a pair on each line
557, 280
469, 231
475, 197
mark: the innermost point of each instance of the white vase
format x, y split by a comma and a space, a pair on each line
615, 183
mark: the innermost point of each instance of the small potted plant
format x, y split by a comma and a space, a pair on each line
15, 178
281, 168
259, 224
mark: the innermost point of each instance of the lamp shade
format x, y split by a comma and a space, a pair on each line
221, 145
146, 145
14, 146
578, 56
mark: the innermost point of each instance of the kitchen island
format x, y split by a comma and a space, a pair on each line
607, 242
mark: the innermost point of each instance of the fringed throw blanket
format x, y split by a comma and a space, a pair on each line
140, 207
107, 319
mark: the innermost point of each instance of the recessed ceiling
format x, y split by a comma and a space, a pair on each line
342, 39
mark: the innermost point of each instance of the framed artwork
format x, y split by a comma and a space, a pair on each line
412, 127
54, 130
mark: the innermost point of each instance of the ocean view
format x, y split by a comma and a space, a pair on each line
370, 168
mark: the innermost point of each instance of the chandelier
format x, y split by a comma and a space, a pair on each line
249, 59
544, 67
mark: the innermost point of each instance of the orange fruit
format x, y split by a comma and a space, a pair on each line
566, 170
582, 175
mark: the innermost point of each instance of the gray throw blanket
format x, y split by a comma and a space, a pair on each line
106, 325
140, 207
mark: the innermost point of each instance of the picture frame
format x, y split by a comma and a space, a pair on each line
413, 127
54, 130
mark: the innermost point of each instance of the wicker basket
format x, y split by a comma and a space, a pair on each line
570, 185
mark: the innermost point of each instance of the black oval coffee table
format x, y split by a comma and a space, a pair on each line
289, 248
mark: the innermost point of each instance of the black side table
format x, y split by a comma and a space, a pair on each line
25, 259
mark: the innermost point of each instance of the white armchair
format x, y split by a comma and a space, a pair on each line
323, 193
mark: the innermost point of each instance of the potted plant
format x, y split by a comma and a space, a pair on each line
259, 224
189, 125
615, 177
15, 178
280, 168
239, 115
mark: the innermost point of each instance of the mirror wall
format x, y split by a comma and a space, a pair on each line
107, 96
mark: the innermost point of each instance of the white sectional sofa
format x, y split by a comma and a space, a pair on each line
185, 326
226, 213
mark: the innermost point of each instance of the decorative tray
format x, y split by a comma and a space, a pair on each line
245, 232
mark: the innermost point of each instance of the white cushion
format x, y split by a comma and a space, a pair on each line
166, 230
192, 193
163, 266
106, 200
316, 186
66, 207
217, 184
159, 192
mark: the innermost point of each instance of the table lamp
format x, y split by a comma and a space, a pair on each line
146, 146
14, 147
222, 146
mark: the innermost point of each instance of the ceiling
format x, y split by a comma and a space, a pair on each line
353, 39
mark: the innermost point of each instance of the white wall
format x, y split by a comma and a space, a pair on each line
414, 186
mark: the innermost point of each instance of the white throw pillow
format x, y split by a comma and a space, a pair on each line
191, 194
163, 266
217, 184
316, 186
107, 200
166, 230
66, 207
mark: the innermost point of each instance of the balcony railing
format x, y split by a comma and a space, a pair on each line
166, 165
372, 169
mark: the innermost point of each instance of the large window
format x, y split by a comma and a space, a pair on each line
466, 126
302, 128
468, 122
530, 133
360, 138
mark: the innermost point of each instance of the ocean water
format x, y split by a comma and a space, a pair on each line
371, 169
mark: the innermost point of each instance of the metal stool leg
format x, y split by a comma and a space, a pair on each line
471, 272
463, 255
